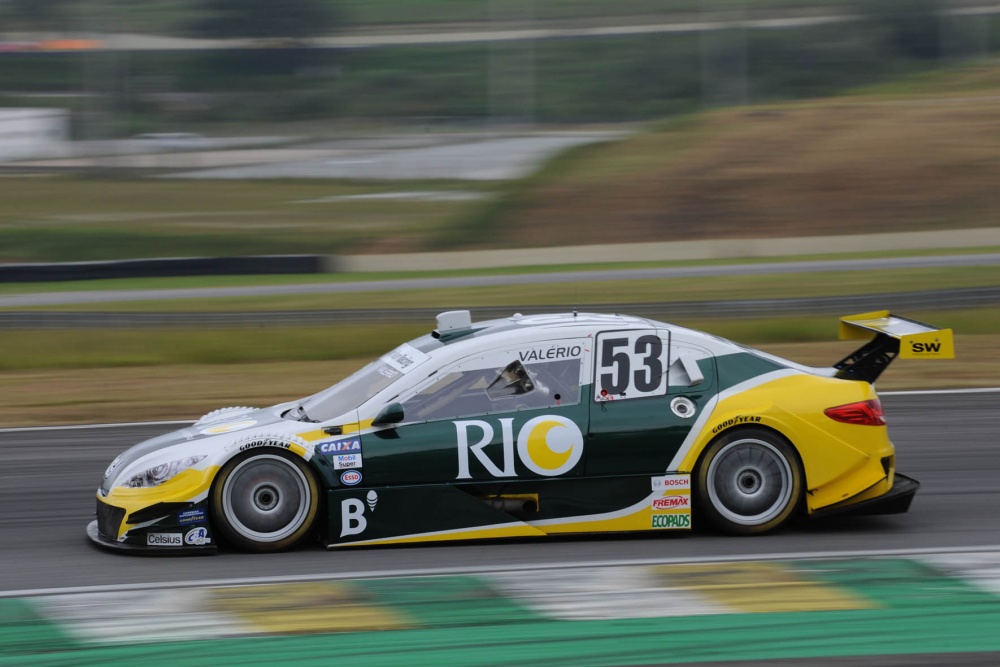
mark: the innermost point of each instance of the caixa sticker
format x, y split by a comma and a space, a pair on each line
164, 539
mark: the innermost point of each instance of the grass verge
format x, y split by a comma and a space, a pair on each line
108, 348
38, 397
623, 292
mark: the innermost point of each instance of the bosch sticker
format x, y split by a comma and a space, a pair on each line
671, 482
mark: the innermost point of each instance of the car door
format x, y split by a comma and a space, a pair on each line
646, 397
512, 413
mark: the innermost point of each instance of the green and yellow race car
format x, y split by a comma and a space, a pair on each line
529, 426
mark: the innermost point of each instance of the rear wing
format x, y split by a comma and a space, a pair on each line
894, 336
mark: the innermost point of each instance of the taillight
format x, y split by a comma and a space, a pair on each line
866, 413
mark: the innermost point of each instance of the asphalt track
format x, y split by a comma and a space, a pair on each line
48, 477
119, 296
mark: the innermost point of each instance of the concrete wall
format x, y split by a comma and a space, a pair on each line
33, 133
671, 251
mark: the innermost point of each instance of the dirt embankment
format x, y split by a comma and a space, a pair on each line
838, 166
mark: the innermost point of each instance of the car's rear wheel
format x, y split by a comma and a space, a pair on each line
265, 500
749, 481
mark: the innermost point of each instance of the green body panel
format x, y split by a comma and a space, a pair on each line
642, 435
742, 366
428, 452
358, 514
408, 510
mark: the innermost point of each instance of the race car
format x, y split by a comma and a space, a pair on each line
529, 426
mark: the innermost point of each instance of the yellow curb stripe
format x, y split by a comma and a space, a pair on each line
761, 587
307, 608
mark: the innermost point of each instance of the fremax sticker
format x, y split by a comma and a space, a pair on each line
672, 502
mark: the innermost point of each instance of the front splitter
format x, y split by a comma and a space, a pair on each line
143, 550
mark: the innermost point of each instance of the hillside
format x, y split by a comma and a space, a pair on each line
926, 158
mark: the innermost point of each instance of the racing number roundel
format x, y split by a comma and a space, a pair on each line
630, 364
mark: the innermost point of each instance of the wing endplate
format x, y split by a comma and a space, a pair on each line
893, 336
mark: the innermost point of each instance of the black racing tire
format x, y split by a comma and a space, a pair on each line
264, 500
749, 481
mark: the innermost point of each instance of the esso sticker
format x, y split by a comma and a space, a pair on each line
350, 477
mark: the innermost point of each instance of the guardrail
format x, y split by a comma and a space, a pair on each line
165, 267
837, 305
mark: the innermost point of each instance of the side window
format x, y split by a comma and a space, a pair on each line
542, 384
482, 386
458, 393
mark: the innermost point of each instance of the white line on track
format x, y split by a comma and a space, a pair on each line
932, 392
188, 422
493, 569
80, 427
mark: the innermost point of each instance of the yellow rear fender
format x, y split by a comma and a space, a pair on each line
839, 460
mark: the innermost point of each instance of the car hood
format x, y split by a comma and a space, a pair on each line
200, 430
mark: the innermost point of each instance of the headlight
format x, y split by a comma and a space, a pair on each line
159, 474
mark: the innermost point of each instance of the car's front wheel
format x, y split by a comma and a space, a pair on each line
264, 500
749, 481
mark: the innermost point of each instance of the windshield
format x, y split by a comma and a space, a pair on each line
349, 394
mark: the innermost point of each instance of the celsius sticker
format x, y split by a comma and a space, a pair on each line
163, 539
350, 477
682, 407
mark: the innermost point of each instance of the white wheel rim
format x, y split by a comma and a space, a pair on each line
266, 498
749, 482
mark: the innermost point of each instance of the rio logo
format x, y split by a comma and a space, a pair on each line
671, 521
548, 445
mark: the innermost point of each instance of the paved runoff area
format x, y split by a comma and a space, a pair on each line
728, 612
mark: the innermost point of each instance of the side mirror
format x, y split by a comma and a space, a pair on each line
390, 414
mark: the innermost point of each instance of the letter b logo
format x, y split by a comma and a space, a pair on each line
352, 517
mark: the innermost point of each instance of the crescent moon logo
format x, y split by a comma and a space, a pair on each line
550, 445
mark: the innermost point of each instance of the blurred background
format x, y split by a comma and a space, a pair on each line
353, 138
718, 97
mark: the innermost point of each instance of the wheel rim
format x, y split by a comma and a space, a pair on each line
266, 498
750, 482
